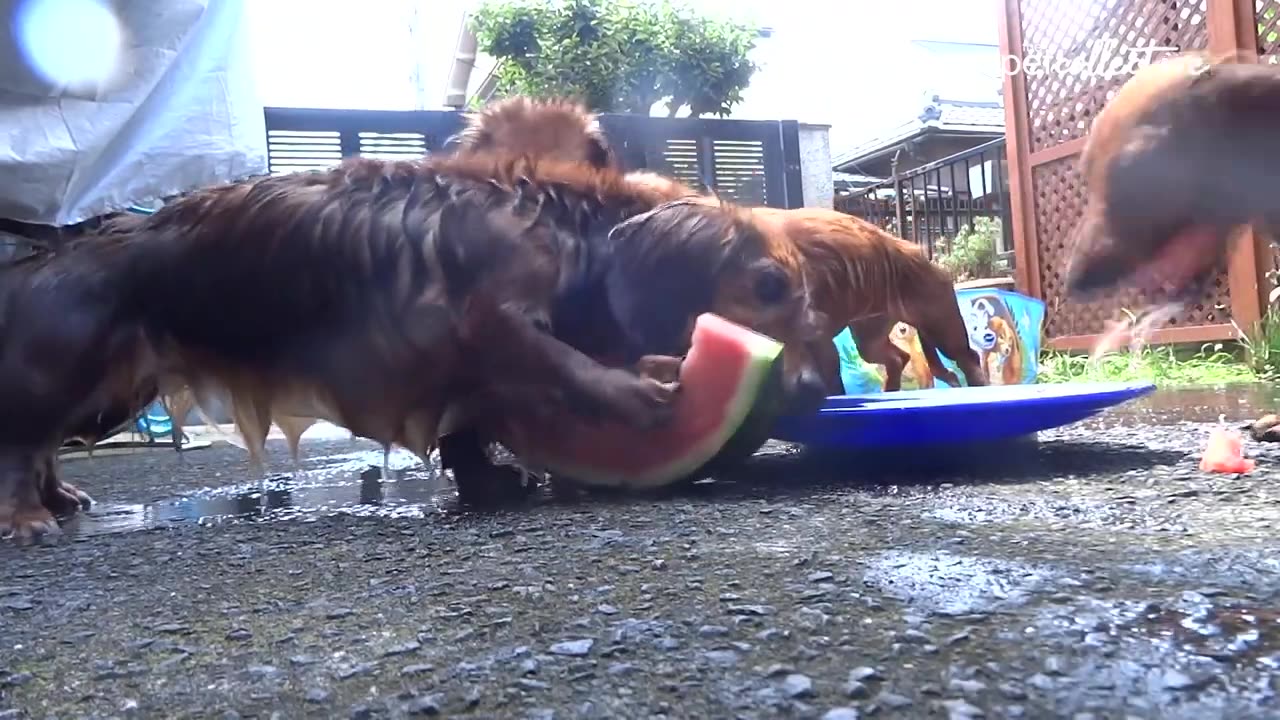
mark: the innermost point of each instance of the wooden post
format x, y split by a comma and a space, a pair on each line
1018, 152
1232, 26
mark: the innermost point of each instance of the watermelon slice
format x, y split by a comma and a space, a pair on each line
1225, 453
729, 397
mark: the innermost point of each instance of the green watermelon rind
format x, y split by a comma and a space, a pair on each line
754, 431
762, 366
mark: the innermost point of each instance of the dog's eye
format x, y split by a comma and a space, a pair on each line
772, 285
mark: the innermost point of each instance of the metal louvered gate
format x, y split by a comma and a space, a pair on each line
750, 162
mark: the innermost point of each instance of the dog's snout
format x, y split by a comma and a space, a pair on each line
988, 337
808, 391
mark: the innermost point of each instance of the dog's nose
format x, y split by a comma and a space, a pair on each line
988, 337
807, 392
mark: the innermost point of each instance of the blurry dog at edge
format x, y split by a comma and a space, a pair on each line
858, 275
375, 295
1182, 158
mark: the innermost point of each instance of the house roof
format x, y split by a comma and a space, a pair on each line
962, 95
852, 182
956, 117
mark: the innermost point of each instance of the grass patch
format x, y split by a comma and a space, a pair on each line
1164, 365
1263, 345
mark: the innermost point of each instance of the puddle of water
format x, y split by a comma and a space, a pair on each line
954, 584
1200, 625
1226, 634
1240, 403
349, 483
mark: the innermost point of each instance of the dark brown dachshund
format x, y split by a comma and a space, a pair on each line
657, 305
1182, 157
616, 329
653, 294
374, 295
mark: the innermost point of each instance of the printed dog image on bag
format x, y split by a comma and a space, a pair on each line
1004, 328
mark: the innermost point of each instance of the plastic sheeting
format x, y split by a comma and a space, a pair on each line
180, 112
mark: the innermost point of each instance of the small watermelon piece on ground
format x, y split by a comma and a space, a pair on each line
1225, 453
730, 397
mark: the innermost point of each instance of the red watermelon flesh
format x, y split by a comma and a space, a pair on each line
726, 371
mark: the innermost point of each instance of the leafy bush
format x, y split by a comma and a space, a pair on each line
974, 252
617, 56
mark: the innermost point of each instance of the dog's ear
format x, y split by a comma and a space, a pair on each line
663, 266
470, 239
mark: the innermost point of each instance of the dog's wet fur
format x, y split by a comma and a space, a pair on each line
375, 295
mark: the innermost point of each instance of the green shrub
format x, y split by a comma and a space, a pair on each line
974, 252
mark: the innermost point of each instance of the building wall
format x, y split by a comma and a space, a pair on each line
815, 165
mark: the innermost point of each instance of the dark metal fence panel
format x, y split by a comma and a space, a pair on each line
752, 162
306, 138
938, 199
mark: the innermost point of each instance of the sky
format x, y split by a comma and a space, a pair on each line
847, 63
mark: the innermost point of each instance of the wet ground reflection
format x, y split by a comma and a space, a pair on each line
351, 483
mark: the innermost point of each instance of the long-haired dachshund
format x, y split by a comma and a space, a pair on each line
652, 294
864, 277
374, 295
1181, 158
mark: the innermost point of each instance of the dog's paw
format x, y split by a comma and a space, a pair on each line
493, 485
27, 524
641, 402
63, 499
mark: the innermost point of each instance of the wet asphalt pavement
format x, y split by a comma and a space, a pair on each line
1098, 574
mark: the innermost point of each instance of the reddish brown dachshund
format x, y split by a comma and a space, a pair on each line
865, 278
373, 295
858, 274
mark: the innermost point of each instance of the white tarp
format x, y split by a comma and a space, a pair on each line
181, 112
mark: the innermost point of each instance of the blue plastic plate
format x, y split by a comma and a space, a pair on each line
945, 416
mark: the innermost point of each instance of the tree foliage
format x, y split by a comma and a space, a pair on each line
617, 56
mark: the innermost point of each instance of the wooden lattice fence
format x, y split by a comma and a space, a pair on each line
1048, 116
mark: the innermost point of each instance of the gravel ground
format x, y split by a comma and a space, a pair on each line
1098, 575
